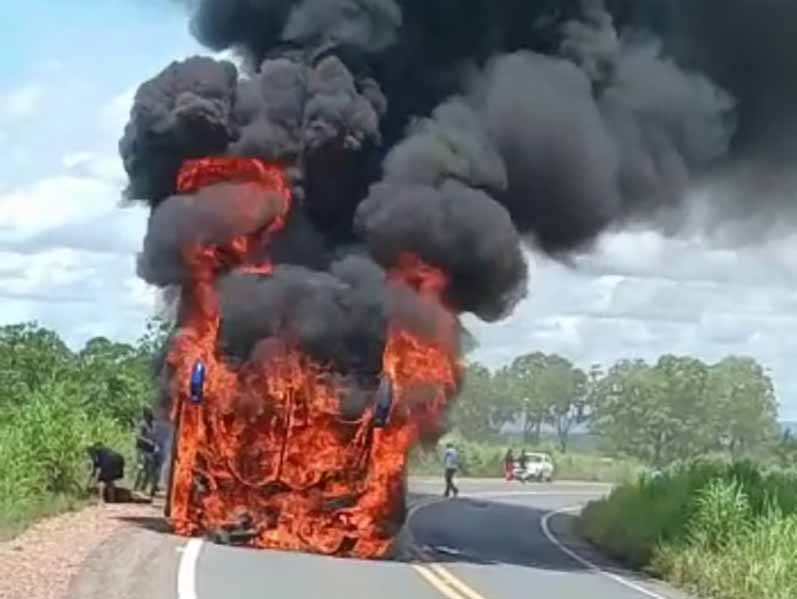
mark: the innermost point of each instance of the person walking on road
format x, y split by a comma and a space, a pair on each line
451, 464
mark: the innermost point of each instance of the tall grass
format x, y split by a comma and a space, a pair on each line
42, 454
726, 531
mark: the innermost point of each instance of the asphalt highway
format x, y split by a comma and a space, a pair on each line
496, 541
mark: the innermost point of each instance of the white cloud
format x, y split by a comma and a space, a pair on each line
21, 103
72, 210
80, 294
104, 167
49, 203
114, 114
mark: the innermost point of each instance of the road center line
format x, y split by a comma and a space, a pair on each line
435, 582
186, 573
546, 530
455, 582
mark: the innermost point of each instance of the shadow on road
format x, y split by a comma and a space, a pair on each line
152, 523
486, 532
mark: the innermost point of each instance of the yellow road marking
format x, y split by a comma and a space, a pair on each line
455, 582
443, 580
429, 577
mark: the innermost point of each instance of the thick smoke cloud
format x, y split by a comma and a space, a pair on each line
212, 216
750, 48
454, 129
338, 317
256, 26
199, 107
182, 113
367, 24
456, 228
560, 158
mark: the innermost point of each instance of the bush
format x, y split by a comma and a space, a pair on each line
42, 452
724, 530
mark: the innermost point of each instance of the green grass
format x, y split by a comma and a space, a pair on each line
42, 456
17, 515
724, 531
484, 460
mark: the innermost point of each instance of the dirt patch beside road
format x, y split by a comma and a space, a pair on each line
40, 563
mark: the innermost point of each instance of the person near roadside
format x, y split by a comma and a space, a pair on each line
523, 460
509, 464
149, 454
107, 467
451, 465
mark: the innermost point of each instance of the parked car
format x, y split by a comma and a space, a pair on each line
539, 467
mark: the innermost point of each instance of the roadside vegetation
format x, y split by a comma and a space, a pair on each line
721, 530
708, 498
616, 425
53, 404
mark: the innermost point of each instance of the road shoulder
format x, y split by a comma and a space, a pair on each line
59, 546
563, 527
139, 559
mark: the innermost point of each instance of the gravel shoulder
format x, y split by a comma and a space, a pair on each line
42, 562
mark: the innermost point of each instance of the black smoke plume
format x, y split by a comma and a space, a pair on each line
454, 129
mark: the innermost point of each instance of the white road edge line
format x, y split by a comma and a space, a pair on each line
546, 530
186, 574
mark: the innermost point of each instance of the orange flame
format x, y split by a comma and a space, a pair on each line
268, 449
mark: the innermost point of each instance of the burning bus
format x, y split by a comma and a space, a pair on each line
273, 452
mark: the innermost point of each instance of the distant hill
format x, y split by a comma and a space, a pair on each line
789, 425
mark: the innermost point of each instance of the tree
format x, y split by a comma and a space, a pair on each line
531, 405
564, 389
746, 410
681, 408
484, 405
654, 413
30, 358
786, 449
686, 409
117, 379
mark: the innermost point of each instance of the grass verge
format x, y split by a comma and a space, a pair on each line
725, 531
18, 515
43, 462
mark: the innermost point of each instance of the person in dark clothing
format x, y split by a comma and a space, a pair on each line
107, 466
149, 454
523, 460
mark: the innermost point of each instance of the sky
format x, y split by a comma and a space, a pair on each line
68, 74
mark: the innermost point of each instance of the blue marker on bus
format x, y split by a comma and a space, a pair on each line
198, 382
384, 401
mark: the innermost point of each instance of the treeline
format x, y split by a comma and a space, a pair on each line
674, 409
54, 402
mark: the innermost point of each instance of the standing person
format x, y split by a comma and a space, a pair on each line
148, 453
451, 464
509, 464
162, 435
522, 462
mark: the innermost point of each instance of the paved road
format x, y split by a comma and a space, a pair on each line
497, 541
